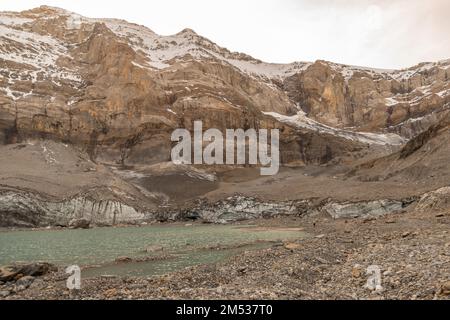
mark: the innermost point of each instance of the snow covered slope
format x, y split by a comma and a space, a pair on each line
302, 121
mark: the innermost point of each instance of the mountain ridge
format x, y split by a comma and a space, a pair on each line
157, 52
112, 86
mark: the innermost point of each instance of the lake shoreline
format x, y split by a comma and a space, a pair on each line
55, 228
186, 223
122, 247
410, 248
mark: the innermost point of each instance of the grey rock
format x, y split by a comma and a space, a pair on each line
155, 248
79, 224
240, 208
15, 272
4, 293
368, 209
25, 281
24, 209
19, 288
435, 200
123, 260
7, 273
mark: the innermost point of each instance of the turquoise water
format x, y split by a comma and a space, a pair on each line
186, 246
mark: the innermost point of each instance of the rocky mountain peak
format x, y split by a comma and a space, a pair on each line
187, 32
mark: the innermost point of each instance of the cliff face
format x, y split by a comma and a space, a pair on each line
118, 89
73, 79
371, 100
425, 157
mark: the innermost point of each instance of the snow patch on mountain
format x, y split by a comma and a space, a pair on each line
162, 51
37, 53
391, 102
300, 120
347, 71
11, 19
269, 70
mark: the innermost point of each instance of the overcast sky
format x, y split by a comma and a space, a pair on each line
375, 33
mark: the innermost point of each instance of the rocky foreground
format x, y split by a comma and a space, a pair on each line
412, 250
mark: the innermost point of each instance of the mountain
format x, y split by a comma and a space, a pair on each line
118, 89
92, 104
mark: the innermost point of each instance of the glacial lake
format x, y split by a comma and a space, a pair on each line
95, 250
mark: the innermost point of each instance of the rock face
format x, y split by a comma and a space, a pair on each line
370, 99
118, 89
438, 200
31, 210
240, 208
425, 157
98, 85
369, 209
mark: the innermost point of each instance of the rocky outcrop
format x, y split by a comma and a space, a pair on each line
19, 271
18, 277
238, 208
369, 99
370, 209
413, 127
441, 128
424, 158
438, 200
22, 209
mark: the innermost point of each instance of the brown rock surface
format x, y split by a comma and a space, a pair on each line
119, 90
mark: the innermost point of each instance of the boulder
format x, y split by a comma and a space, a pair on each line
155, 248
123, 260
7, 273
79, 224
19, 271
292, 246
25, 281
4, 293
435, 200
445, 289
